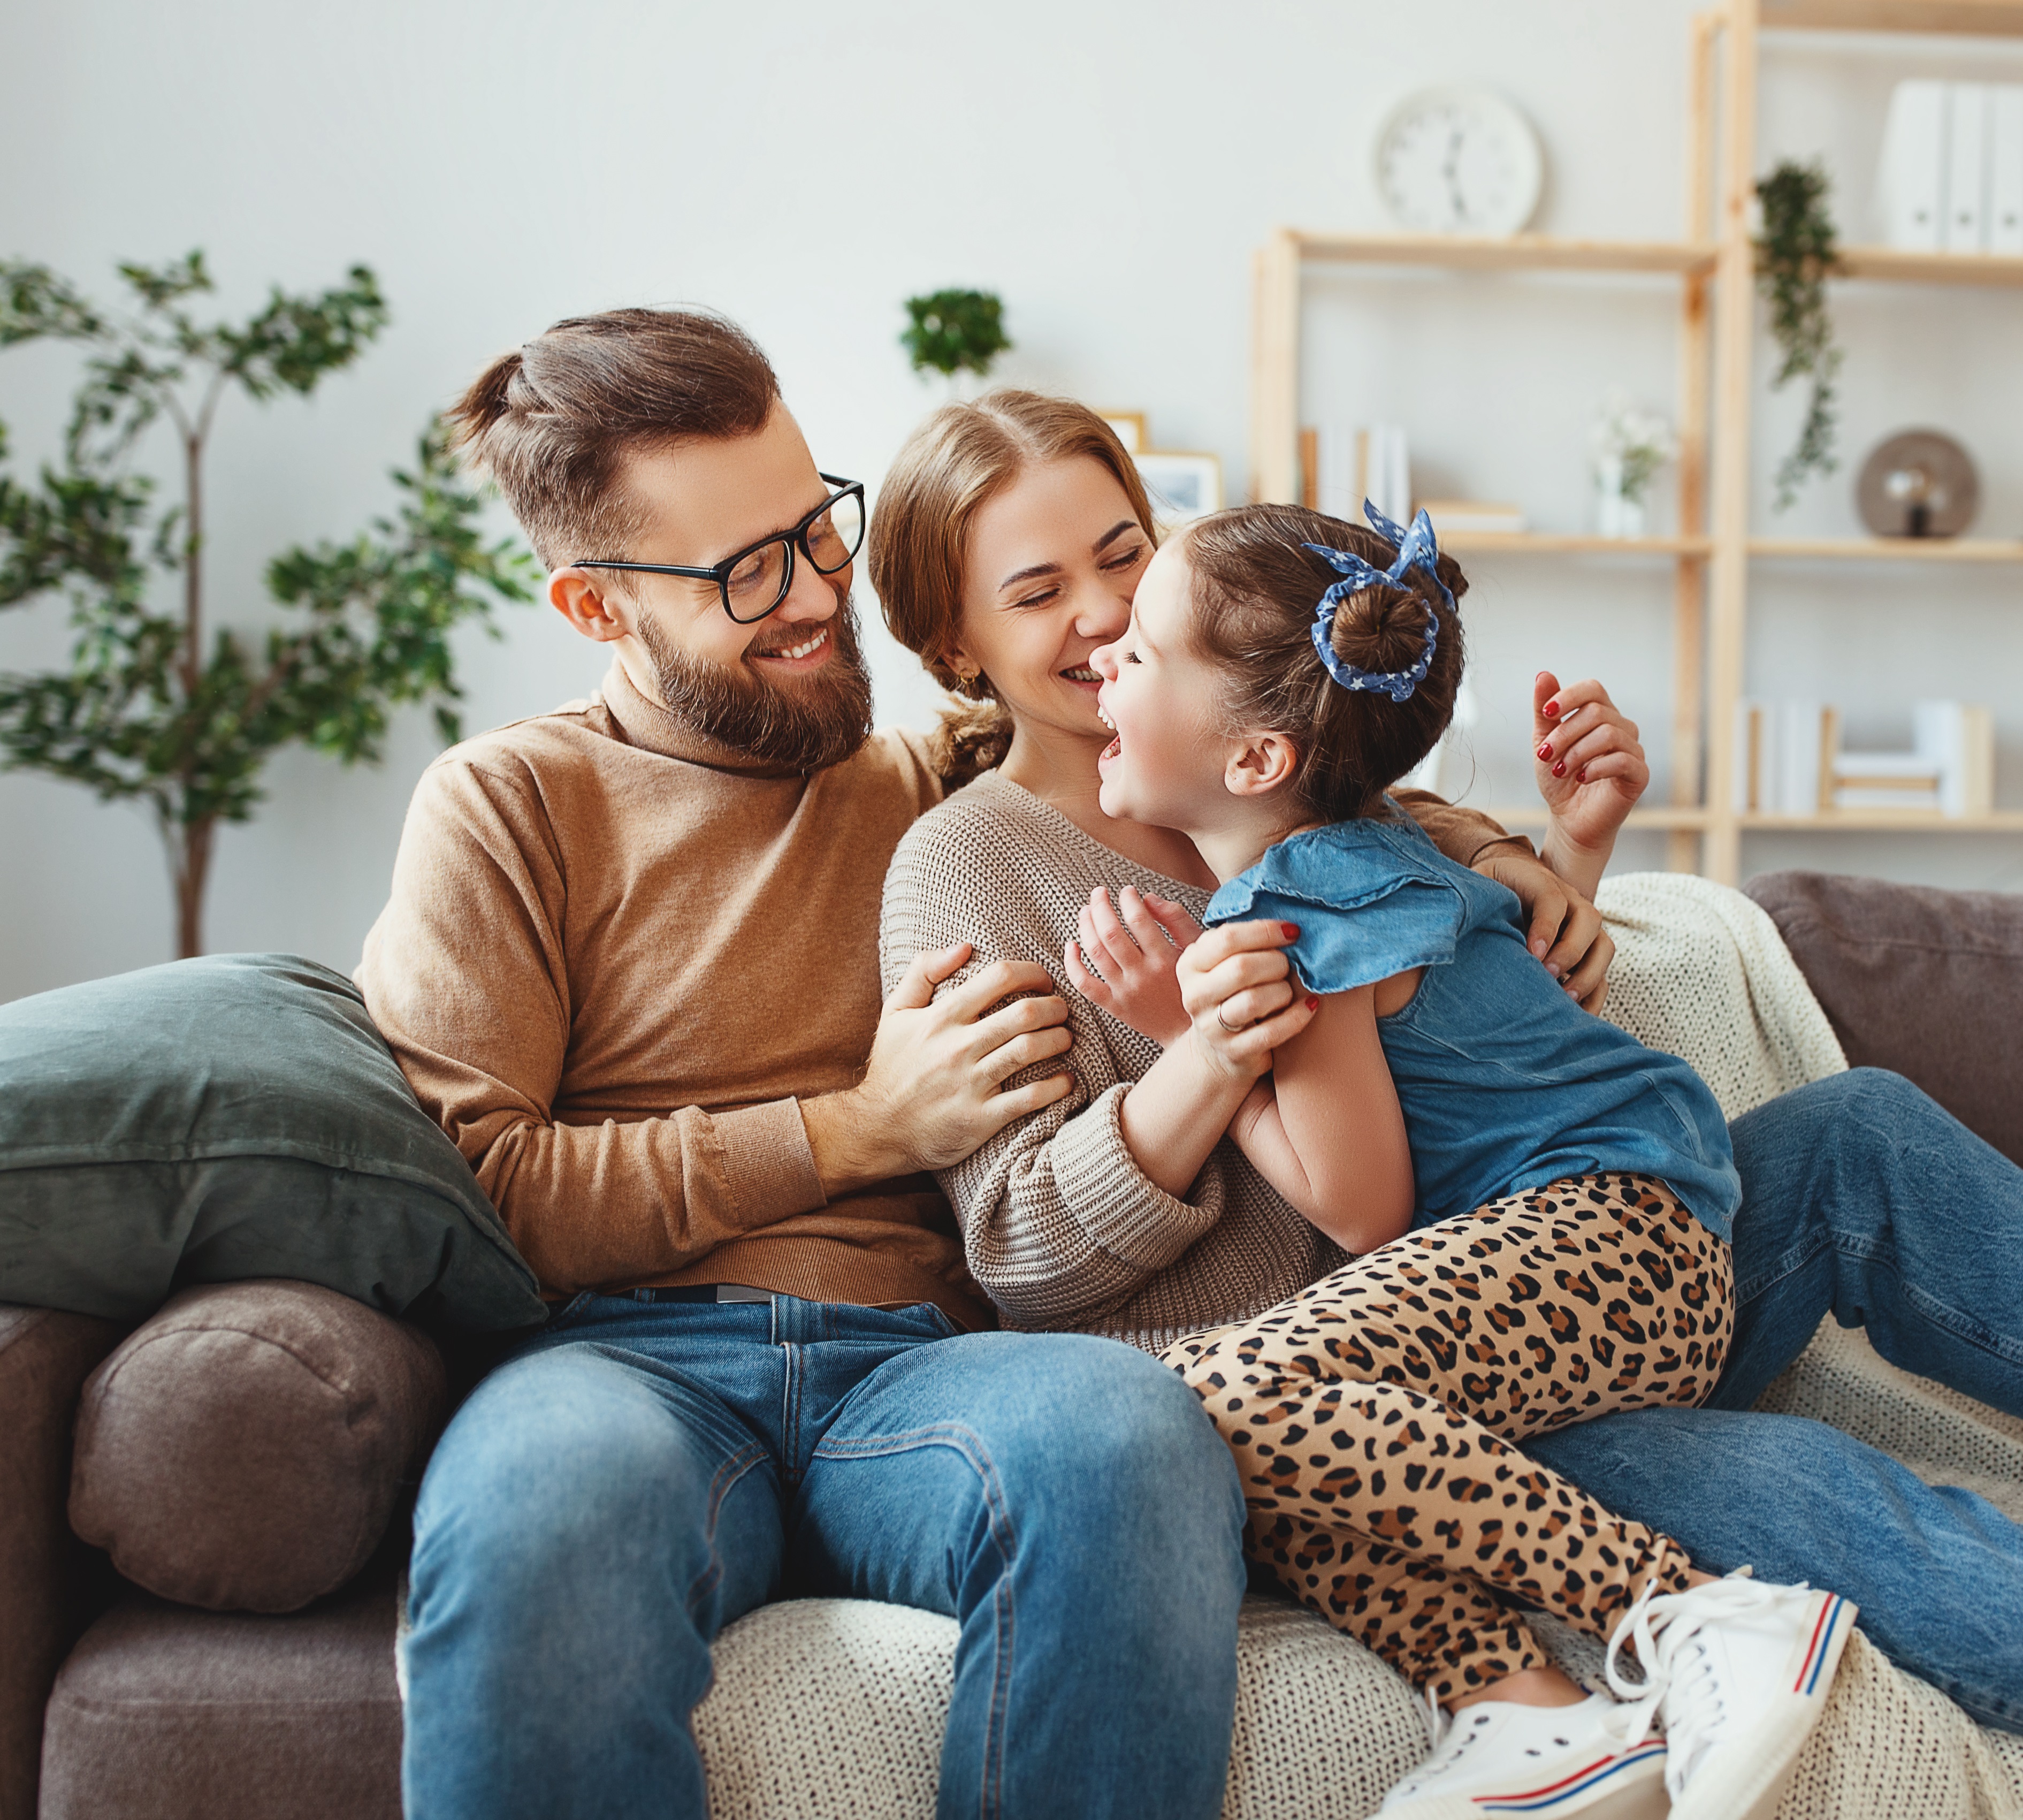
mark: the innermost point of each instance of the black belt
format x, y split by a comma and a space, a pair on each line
704, 1292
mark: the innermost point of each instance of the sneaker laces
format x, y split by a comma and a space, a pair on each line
1679, 1674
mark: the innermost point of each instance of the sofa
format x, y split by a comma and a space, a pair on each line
202, 1529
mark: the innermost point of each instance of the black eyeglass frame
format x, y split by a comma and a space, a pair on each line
795, 538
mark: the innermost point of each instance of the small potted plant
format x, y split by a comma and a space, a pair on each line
952, 332
1630, 447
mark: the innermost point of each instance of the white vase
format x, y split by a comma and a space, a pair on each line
1615, 514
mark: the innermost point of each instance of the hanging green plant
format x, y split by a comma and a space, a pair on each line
1794, 257
952, 330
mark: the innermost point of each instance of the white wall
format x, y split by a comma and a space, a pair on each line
1107, 167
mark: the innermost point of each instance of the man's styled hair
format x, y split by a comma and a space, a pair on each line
552, 422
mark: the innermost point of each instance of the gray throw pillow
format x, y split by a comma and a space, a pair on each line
226, 1119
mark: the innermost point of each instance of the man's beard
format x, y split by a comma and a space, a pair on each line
804, 726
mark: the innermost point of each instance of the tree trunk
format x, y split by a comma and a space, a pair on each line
189, 855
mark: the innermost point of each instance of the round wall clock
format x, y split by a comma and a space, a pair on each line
1458, 161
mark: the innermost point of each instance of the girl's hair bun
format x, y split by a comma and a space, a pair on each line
1383, 628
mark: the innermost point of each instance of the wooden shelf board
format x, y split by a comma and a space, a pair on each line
1552, 543
1515, 252
1888, 821
1535, 816
1985, 18
1898, 265
1892, 549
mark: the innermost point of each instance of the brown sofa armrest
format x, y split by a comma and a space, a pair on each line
1924, 982
45, 1358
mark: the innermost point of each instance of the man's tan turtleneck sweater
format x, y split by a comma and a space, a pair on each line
617, 957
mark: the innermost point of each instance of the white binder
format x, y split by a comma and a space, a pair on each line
1911, 184
2005, 169
1966, 170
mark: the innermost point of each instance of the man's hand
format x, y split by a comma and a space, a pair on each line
1590, 770
1564, 930
930, 1093
1133, 960
1241, 1004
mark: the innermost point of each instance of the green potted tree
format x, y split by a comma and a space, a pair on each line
153, 706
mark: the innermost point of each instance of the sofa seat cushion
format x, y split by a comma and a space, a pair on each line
245, 1448
182, 1714
235, 1117
1925, 982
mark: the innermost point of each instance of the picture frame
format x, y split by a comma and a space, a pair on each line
1184, 485
1130, 428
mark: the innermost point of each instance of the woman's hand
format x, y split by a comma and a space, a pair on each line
1590, 771
1134, 961
1562, 928
1240, 997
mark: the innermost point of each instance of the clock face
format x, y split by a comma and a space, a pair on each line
1458, 161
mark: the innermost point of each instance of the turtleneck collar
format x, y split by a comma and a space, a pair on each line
647, 724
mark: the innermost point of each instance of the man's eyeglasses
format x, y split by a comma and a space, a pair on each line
755, 580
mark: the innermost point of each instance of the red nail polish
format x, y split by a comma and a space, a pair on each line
1552, 710
1560, 770
1313, 1004
1546, 750
1292, 931
1580, 776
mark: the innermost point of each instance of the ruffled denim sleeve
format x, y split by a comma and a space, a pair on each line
1367, 906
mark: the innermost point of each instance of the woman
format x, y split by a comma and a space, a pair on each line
1009, 539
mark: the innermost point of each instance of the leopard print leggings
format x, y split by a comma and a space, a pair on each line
1370, 1416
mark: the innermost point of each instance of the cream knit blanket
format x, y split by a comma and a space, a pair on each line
825, 1707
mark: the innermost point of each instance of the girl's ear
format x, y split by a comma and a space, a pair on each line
1259, 763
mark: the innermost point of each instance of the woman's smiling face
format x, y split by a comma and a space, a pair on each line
1054, 560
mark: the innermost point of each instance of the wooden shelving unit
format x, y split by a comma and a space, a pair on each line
1713, 263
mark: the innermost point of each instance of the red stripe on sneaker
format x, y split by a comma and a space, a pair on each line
1815, 1651
1543, 1800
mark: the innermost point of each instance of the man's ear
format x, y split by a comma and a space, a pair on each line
1259, 763
581, 600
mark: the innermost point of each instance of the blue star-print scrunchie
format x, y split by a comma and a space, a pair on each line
1416, 549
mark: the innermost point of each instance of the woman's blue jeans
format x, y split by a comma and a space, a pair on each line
645, 1471
1862, 1199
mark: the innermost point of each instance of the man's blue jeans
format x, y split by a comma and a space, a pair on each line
645, 1471
1863, 1199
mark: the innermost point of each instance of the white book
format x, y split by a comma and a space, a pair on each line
1966, 169
1755, 786
1961, 740
1806, 735
1335, 474
2005, 169
1911, 184
1384, 473
1855, 796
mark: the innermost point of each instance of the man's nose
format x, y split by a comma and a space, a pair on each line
812, 596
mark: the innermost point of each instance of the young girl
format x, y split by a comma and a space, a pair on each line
1539, 1205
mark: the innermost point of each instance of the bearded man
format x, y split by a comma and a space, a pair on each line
630, 962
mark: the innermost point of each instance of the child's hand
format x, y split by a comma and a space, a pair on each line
1133, 960
1589, 769
1241, 997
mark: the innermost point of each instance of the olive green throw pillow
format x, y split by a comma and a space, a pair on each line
220, 1119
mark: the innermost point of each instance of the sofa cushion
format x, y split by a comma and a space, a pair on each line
1927, 983
220, 1119
44, 1358
244, 1449
180, 1715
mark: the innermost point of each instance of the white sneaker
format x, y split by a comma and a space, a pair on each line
1737, 1673
1495, 1757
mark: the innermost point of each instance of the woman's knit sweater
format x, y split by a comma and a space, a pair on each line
1062, 1230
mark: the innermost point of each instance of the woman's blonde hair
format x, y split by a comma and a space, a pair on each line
918, 548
